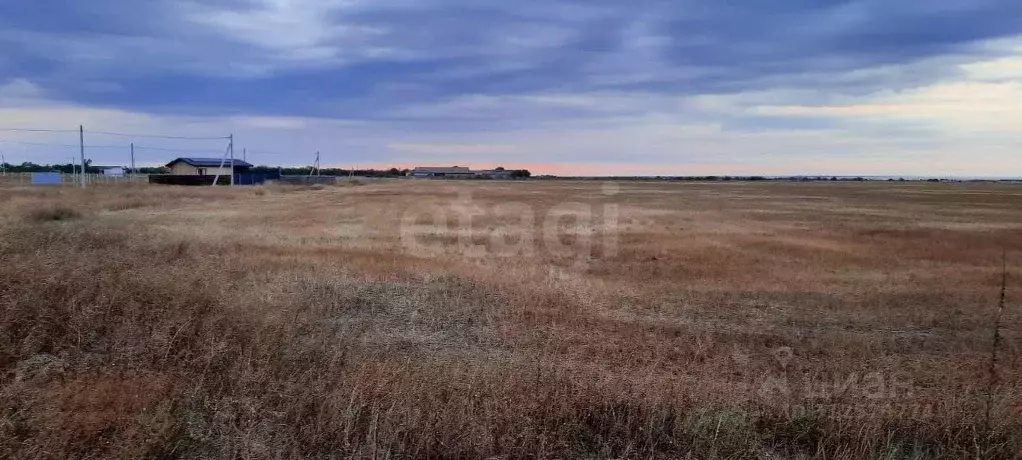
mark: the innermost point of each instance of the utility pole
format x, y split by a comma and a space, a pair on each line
74, 171
244, 154
231, 147
230, 150
3, 161
315, 166
81, 147
132, 160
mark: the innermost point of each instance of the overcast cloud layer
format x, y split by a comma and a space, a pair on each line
559, 86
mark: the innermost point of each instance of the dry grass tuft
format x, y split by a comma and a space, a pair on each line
53, 213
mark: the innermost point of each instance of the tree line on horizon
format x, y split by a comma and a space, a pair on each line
68, 168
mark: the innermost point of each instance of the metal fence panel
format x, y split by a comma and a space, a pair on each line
46, 178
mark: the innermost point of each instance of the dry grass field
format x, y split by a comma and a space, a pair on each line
402, 319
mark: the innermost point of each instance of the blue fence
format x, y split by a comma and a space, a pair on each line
239, 179
254, 179
46, 178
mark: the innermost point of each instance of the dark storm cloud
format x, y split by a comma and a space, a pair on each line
362, 59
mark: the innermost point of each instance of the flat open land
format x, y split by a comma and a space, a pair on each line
435, 319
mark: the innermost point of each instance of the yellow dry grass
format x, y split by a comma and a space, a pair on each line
707, 320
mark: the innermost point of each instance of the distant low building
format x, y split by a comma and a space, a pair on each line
450, 171
206, 167
115, 171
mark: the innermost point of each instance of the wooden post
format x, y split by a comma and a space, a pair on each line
81, 147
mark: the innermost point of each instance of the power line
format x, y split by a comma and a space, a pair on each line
46, 144
109, 133
158, 136
265, 152
41, 144
28, 130
159, 149
137, 147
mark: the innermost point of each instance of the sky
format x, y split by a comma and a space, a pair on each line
567, 87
